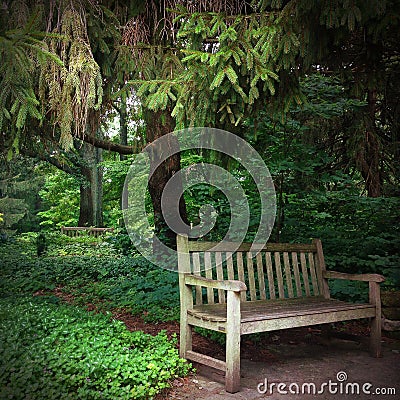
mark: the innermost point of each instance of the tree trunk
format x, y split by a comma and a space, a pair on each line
369, 160
123, 132
91, 191
158, 124
123, 126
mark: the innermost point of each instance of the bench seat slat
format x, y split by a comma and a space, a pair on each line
273, 309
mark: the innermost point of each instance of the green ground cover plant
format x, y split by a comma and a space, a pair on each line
92, 271
54, 351
50, 349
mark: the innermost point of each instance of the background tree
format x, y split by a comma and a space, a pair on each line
20, 202
204, 63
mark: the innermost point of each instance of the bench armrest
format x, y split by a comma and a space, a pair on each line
234, 286
353, 277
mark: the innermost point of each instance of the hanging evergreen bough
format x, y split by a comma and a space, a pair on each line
21, 51
225, 60
77, 89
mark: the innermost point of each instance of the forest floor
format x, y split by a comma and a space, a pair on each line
296, 357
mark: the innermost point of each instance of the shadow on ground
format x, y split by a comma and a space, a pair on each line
300, 365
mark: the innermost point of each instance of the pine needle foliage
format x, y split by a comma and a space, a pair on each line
232, 58
50, 72
22, 51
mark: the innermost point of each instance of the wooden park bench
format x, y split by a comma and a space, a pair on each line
78, 230
283, 286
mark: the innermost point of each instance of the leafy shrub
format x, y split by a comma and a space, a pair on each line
109, 280
121, 242
55, 351
359, 234
61, 199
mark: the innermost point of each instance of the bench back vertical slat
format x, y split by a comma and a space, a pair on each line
239, 260
220, 276
288, 274
279, 276
270, 275
318, 271
197, 271
229, 264
295, 263
261, 278
209, 275
305, 273
313, 274
250, 272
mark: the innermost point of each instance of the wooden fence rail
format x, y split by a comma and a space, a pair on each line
79, 230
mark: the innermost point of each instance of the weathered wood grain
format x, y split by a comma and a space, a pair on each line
354, 277
261, 278
250, 272
302, 291
234, 286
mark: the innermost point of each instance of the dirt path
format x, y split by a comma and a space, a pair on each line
300, 360
297, 358
305, 363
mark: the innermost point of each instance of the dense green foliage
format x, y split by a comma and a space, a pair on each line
312, 85
60, 195
20, 182
54, 351
50, 349
92, 271
359, 235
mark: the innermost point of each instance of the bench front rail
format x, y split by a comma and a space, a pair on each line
276, 287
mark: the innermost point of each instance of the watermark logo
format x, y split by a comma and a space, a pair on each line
145, 166
341, 385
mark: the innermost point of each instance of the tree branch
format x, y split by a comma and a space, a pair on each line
51, 160
108, 145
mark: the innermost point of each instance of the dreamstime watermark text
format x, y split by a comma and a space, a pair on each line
340, 385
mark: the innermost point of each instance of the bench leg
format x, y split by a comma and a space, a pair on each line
376, 322
185, 342
232, 373
375, 339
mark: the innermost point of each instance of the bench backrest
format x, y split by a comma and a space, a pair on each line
276, 271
